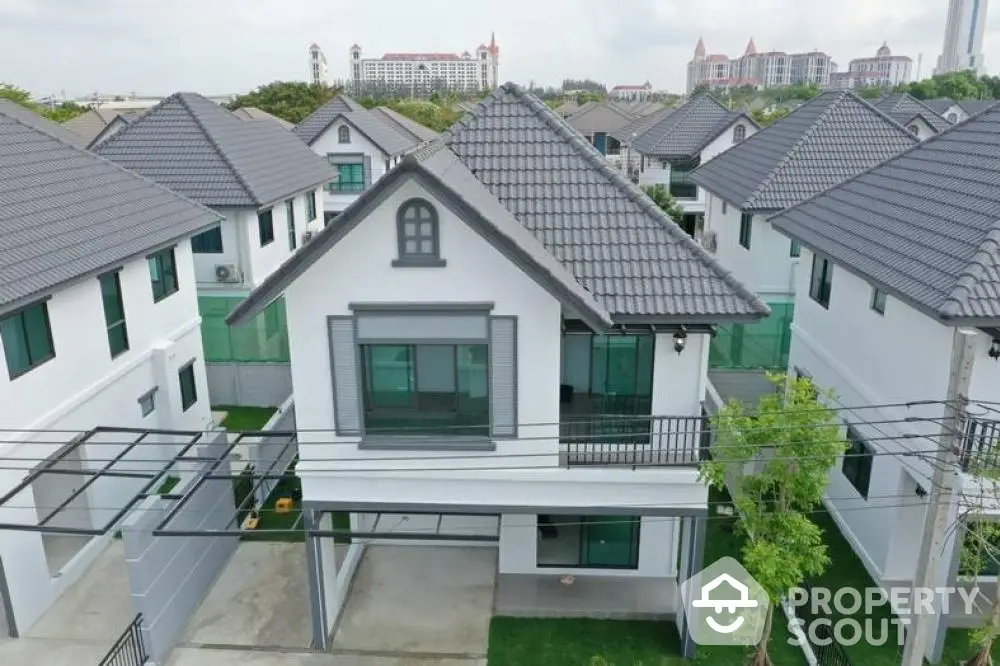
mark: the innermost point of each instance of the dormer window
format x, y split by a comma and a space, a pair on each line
739, 133
914, 130
952, 117
418, 235
344, 134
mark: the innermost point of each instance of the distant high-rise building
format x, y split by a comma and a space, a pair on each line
429, 70
761, 70
884, 70
318, 72
963, 37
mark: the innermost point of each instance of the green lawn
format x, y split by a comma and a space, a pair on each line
168, 484
288, 486
245, 419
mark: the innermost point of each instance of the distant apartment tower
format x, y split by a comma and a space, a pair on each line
761, 70
963, 37
884, 70
429, 70
318, 72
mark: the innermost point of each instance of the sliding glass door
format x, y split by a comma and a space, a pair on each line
588, 542
607, 374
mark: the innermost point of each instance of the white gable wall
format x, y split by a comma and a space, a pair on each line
328, 143
767, 267
361, 267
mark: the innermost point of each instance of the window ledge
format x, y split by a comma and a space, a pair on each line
443, 443
419, 262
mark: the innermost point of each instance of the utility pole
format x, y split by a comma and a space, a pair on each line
941, 491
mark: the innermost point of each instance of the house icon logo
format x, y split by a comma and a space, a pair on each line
724, 605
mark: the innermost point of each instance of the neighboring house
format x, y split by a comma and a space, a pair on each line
628, 160
947, 108
673, 146
912, 114
484, 353
28, 117
898, 261
359, 144
976, 106
98, 327
598, 121
90, 124
253, 113
824, 142
267, 186
404, 125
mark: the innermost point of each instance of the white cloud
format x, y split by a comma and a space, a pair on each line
219, 46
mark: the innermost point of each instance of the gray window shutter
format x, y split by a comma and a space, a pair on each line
503, 376
368, 171
345, 376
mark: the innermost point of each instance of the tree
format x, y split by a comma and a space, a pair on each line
869, 92
765, 117
59, 113
980, 552
15, 94
668, 204
291, 100
792, 440
63, 112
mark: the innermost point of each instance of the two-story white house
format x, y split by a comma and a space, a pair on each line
99, 327
268, 188
824, 142
898, 262
912, 114
361, 145
518, 333
668, 150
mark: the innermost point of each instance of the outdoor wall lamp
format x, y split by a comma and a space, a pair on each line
994, 351
680, 340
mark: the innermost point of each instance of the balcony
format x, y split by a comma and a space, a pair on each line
590, 435
980, 450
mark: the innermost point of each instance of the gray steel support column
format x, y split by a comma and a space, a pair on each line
317, 593
696, 563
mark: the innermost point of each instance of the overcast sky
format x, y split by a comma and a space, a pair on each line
229, 46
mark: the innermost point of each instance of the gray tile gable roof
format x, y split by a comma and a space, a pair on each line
975, 106
683, 133
903, 108
406, 126
925, 225
199, 149
939, 105
616, 242
544, 194
640, 125
822, 143
32, 119
253, 113
66, 213
392, 141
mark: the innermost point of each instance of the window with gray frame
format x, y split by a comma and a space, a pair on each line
27, 338
746, 229
879, 299
439, 374
189, 389
343, 134
418, 234
858, 460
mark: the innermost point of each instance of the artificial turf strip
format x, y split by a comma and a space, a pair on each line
245, 419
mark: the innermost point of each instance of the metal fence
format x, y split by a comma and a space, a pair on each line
612, 439
129, 649
979, 449
824, 645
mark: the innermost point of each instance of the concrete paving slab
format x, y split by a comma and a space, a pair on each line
97, 608
417, 599
260, 600
51, 651
204, 657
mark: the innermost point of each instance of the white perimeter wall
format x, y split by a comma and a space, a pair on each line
82, 388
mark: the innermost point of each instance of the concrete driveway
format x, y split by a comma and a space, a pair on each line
431, 602
205, 657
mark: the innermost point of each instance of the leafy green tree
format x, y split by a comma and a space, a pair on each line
63, 112
793, 440
668, 204
291, 100
15, 94
980, 552
869, 92
765, 117
59, 113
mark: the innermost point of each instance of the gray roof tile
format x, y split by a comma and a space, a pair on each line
253, 113
615, 241
639, 126
925, 225
66, 213
822, 143
390, 140
940, 105
32, 119
903, 108
201, 150
974, 106
406, 126
683, 133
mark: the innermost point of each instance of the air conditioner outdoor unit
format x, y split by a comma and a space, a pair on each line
308, 236
227, 273
710, 241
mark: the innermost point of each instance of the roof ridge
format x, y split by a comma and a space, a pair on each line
632, 192
225, 158
973, 271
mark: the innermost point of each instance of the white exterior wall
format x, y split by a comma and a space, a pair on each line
82, 388
767, 267
871, 359
327, 143
241, 243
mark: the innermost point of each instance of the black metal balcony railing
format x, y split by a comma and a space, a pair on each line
633, 440
980, 452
